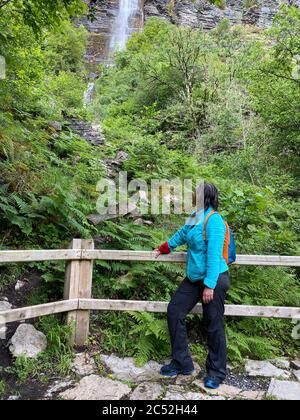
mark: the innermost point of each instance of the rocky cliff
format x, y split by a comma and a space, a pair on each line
194, 13
102, 27
197, 13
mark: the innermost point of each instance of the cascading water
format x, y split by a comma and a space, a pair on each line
89, 94
129, 12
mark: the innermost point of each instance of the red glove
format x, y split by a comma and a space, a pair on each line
164, 248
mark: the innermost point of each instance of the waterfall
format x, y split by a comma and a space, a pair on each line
88, 94
128, 13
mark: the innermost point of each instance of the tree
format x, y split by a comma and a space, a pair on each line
274, 84
43, 13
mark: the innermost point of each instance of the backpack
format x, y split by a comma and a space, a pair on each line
229, 248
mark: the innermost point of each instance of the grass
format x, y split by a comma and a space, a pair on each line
3, 387
55, 361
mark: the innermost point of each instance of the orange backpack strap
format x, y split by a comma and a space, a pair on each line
226, 243
205, 223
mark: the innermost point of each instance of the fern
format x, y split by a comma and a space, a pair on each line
151, 337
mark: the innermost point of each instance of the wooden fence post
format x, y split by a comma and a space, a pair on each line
78, 284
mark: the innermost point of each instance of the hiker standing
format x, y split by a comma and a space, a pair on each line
206, 235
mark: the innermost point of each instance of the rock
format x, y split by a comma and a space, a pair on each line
95, 387
147, 391
138, 222
125, 369
281, 363
83, 365
92, 133
19, 285
175, 392
5, 306
224, 390
58, 386
296, 373
13, 398
295, 364
102, 28
96, 219
265, 369
230, 392
122, 156
55, 126
202, 13
27, 341
141, 222
252, 395
186, 379
284, 390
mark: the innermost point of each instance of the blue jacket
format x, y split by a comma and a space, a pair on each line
204, 258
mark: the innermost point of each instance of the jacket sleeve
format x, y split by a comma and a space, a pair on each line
179, 238
215, 235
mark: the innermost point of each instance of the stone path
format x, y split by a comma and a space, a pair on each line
118, 378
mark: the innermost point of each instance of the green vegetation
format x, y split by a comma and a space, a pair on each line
55, 361
3, 387
191, 104
220, 105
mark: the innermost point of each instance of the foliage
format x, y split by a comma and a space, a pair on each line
39, 14
219, 105
275, 86
188, 109
3, 387
151, 337
57, 358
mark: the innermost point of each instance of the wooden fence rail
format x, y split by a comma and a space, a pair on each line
78, 301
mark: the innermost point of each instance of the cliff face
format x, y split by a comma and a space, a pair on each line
103, 26
201, 13
194, 13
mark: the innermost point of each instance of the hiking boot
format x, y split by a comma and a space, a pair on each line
172, 370
212, 382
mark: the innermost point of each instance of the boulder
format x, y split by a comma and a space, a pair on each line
265, 369
147, 391
96, 388
284, 390
27, 341
125, 369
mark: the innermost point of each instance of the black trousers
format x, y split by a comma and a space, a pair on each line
185, 298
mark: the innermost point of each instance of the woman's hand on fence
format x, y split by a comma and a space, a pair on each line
208, 295
162, 249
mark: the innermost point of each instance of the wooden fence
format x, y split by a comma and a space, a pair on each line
78, 301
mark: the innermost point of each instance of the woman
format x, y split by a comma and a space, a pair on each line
206, 280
